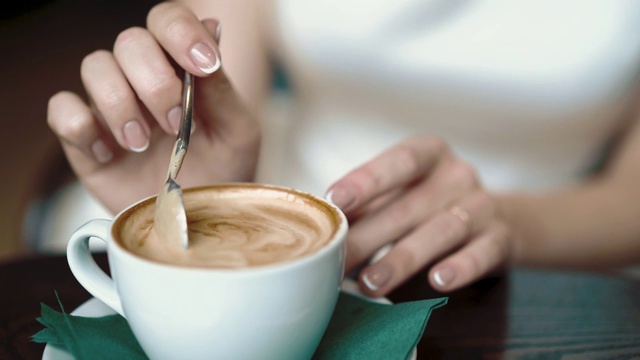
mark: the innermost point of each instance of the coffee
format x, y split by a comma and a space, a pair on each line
234, 226
221, 294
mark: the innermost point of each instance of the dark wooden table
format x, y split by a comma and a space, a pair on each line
524, 314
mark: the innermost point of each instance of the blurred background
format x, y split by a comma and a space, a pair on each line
43, 43
529, 92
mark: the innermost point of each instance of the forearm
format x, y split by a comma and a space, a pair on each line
592, 225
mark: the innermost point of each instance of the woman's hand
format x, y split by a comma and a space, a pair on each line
426, 202
120, 141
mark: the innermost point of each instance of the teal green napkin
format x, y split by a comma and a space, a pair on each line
359, 329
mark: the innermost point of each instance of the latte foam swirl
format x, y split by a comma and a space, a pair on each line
252, 235
237, 229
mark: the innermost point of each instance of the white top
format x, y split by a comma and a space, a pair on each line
528, 91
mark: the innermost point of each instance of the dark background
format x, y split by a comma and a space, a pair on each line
42, 43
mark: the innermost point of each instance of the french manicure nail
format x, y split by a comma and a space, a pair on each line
101, 152
174, 116
376, 277
444, 277
342, 197
135, 136
205, 58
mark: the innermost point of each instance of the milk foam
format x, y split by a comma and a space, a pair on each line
235, 227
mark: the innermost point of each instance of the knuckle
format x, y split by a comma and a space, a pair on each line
111, 99
178, 26
447, 227
159, 9
463, 173
160, 84
129, 36
369, 176
67, 121
90, 60
163, 14
407, 159
439, 145
75, 128
57, 100
53, 108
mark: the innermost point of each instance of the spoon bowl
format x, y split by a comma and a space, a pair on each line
170, 217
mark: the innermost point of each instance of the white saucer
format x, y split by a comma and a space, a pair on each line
96, 308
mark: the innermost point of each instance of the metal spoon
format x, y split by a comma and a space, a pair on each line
170, 217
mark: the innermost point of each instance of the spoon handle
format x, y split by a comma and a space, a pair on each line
182, 142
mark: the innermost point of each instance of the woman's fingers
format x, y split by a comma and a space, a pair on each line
479, 258
401, 215
426, 202
222, 109
446, 231
139, 78
396, 167
185, 38
80, 133
193, 45
449, 180
151, 75
136, 90
117, 103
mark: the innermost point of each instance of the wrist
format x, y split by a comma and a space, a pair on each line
525, 230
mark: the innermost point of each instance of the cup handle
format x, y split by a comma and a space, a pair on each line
84, 267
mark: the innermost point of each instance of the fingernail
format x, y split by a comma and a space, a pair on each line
376, 277
205, 58
101, 152
444, 277
174, 116
218, 32
342, 197
135, 136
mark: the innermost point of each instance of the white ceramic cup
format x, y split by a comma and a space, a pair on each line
277, 311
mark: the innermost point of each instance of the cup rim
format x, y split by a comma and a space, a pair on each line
338, 238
